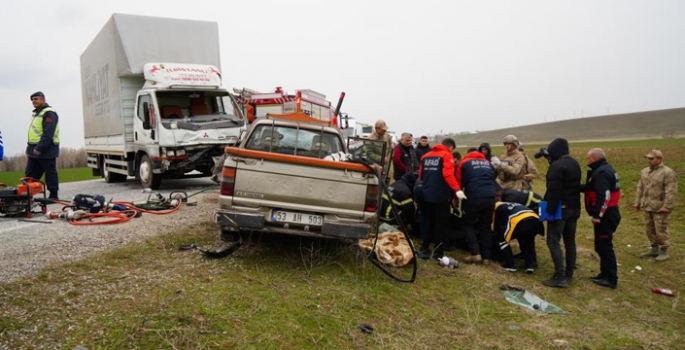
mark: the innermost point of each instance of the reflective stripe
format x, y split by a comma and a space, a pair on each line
36, 127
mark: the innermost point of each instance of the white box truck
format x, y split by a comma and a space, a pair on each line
153, 102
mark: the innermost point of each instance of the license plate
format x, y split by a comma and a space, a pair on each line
297, 218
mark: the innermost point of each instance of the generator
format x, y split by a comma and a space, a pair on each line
23, 200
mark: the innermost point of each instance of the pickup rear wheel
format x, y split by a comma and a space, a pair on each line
147, 178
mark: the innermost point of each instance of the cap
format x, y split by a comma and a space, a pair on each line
655, 153
37, 93
511, 139
380, 124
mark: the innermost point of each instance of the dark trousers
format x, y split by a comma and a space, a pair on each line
524, 233
435, 226
604, 234
36, 167
477, 219
563, 229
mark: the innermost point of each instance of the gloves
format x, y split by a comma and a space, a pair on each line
461, 195
495, 162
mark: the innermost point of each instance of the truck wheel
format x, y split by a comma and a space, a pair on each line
111, 177
147, 178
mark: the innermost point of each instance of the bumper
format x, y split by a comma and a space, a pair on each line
235, 221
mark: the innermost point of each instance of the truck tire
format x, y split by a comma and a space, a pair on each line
147, 178
111, 177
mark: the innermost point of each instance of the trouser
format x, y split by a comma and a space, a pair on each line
36, 167
477, 218
656, 227
524, 233
565, 229
436, 219
604, 234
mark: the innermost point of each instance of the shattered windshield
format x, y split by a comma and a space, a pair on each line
198, 110
294, 141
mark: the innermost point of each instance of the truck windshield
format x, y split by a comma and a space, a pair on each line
294, 141
197, 110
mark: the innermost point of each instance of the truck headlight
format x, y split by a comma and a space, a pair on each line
180, 152
170, 153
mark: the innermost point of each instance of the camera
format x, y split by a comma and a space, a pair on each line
541, 153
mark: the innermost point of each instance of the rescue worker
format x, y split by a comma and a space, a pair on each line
532, 201
656, 196
404, 157
402, 195
511, 165
516, 221
530, 172
486, 150
477, 177
380, 133
42, 148
439, 186
602, 193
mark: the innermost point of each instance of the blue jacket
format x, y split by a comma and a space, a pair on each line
476, 176
437, 174
2, 146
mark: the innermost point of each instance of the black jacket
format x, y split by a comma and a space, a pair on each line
563, 178
486, 146
420, 150
602, 189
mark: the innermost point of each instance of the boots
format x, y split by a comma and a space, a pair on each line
473, 259
556, 281
663, 255
651, 253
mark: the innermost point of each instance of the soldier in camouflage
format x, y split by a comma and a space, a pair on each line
511, 166
655, 195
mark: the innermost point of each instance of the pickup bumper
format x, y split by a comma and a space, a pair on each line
235, 221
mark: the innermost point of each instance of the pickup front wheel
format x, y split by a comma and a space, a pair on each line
147, 178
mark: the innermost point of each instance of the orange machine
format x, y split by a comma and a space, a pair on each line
21, 201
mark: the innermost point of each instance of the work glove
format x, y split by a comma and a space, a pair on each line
495, 162
461, 195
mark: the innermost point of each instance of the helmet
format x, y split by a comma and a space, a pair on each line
511, 139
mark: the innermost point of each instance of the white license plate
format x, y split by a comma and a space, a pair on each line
297, 218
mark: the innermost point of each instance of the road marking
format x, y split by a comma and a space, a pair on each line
19, 226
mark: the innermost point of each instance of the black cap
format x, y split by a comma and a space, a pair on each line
37, 93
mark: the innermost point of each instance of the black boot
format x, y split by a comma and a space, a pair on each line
556, 281
53, 195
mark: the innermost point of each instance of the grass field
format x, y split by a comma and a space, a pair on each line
282, 292
11, 178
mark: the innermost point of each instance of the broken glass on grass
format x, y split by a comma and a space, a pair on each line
522, 297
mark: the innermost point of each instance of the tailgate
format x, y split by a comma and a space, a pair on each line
281, 185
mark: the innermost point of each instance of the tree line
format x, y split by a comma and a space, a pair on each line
68, 158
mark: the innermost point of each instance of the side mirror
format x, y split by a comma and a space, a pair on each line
146, 116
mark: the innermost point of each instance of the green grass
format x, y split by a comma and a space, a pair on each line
11, 178
283, 292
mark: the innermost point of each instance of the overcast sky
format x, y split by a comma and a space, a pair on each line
423, 66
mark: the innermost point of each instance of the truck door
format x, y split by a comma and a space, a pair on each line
145, 122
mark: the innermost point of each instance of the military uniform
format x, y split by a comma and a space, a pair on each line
657, 189
511, 171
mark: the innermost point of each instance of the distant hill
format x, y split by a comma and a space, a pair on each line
641, 125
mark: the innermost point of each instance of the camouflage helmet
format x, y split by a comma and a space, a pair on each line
511, 139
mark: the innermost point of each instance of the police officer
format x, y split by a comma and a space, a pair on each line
42, 149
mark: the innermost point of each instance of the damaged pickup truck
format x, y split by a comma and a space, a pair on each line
280, 180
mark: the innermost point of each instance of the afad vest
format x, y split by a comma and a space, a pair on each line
36, 127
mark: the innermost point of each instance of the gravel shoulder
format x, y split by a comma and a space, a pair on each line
26, 248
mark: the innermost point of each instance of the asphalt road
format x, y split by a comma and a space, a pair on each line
26, 247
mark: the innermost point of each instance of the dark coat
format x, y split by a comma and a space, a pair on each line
563, 178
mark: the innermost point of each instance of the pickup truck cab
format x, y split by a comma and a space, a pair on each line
278, 180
